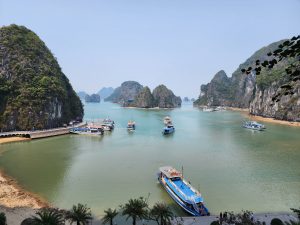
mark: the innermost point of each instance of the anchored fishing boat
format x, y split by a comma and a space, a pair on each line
182, 192
169, 129
167, 120
253, 125
108, 124
131, 125
95, 131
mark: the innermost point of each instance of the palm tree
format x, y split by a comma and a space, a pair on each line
109, 216
161, 213
2, 219
48, 216
79, 214
136, 209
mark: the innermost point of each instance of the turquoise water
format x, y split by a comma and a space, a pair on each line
234, 168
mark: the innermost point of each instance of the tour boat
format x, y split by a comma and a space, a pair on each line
253, 125
169, 129
131, 125
108, 124
182, 192
167, 120
87, 130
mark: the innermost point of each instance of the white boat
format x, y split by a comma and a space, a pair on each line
167, 120
253, 125
186, 196
95, 131
131, 125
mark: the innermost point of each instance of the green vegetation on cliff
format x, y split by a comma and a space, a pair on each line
144, 99
34, 92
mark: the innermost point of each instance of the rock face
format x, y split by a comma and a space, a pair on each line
236, 91
81, 94
217, 92
258, 93
269, 85
186, 99
144, 99
105, 92
165, 98
125, 94
34, 93
92, 98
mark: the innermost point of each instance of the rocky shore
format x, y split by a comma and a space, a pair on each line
12, 195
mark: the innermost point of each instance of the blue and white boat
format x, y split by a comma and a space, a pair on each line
131, 125
182, 192
169, 129
95, 131
253, 125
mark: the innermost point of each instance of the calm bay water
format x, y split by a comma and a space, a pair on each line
234, 168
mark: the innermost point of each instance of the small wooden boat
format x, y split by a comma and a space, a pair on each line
187, 197
131, 125
169, 129
167, 120
253, 125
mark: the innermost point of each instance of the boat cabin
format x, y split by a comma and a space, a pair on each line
170, 173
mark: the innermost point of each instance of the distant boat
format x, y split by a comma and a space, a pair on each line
169, 129
253, 125
131, 125
108, 124
95, 131
167, 120
182, 192
207, 109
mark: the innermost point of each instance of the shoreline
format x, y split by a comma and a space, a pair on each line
264, 119
272, 120
13, 139
12, 195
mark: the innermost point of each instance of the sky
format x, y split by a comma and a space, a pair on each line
179, 43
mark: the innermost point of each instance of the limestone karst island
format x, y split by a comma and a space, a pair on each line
149, 112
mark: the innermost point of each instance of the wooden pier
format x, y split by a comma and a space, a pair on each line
40, 133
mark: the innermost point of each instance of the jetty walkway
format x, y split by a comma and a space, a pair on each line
40, 133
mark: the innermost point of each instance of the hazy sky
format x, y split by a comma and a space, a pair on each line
180, 43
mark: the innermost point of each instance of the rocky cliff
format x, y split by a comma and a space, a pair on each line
105, 92
92, 98
264, 94
237, 90
34, 92
272, 99
165, 98
126, 93
144, 99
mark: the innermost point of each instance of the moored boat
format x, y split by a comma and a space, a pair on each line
108, 124
167, 120
253, 125
95, 131
131, 125
169, 129
182, 192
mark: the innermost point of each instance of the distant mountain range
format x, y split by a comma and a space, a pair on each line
103, 92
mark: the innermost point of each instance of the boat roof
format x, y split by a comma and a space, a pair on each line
170, 172
184, 191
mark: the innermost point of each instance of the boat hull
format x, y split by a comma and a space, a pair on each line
168, 131
179, 201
